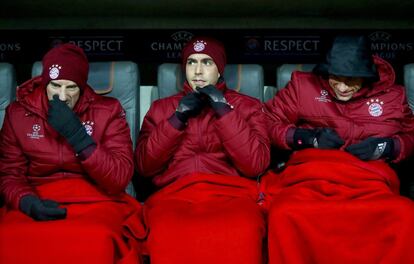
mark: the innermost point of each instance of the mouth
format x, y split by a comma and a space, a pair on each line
346, 94
200, 83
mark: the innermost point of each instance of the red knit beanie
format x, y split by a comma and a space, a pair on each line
68, 62
205, 45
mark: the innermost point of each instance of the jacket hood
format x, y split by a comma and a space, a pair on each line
385, 79
32, 96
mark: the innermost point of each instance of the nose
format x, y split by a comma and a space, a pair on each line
342, 87
198, 68
62, 95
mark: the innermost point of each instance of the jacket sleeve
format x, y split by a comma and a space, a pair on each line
111, 165
157, 142
282, 113
406, 135
245, 139
13, 166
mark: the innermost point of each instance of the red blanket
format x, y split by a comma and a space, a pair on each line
205, 218
98, 228
330, 207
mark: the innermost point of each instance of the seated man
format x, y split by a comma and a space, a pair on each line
204, 148
337, 200
65, 160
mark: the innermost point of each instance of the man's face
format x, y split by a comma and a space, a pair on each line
68, 91
201, 70
345, 87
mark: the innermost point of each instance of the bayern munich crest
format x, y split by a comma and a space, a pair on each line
199, 45
88, 127
54, 71
375, 107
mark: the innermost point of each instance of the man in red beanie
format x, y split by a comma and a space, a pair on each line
204, 148
65, 160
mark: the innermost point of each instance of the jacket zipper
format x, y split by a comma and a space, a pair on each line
197, 164
60, 148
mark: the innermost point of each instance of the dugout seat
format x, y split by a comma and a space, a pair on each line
245, 78
409, 84
7, 88
284, 72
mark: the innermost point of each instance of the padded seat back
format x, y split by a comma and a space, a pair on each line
284, 72
245, 78
409, 84
7, 88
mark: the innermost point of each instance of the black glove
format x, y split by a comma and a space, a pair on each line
189, 106
215, 98
41, 210
67, 124
322, 138
372, 148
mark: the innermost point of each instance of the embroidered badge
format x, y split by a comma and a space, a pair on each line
88, 127
54, 71
324, 97
375, 107
35, 133
122, 114
199, 45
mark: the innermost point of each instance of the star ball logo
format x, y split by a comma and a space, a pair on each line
36, 128
93, 45
171, 48
383, 44
252, 44
35, 133
283, 45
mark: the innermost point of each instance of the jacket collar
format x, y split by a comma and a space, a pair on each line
32, 96
221, 85
386, 79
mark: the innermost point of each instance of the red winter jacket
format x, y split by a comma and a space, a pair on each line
235, 144
377, 111
32, 152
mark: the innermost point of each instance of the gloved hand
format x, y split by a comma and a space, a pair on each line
189, 106
41, 210
67, 124
372, 148
322, 138
215, 98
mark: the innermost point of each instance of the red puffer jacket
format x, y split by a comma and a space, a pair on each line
377, 111
32, 152
235, 144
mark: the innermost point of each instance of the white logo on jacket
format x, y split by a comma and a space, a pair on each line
35, 133
324, 97
375, 107
88, 127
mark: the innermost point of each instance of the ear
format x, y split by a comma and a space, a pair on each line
219, 75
